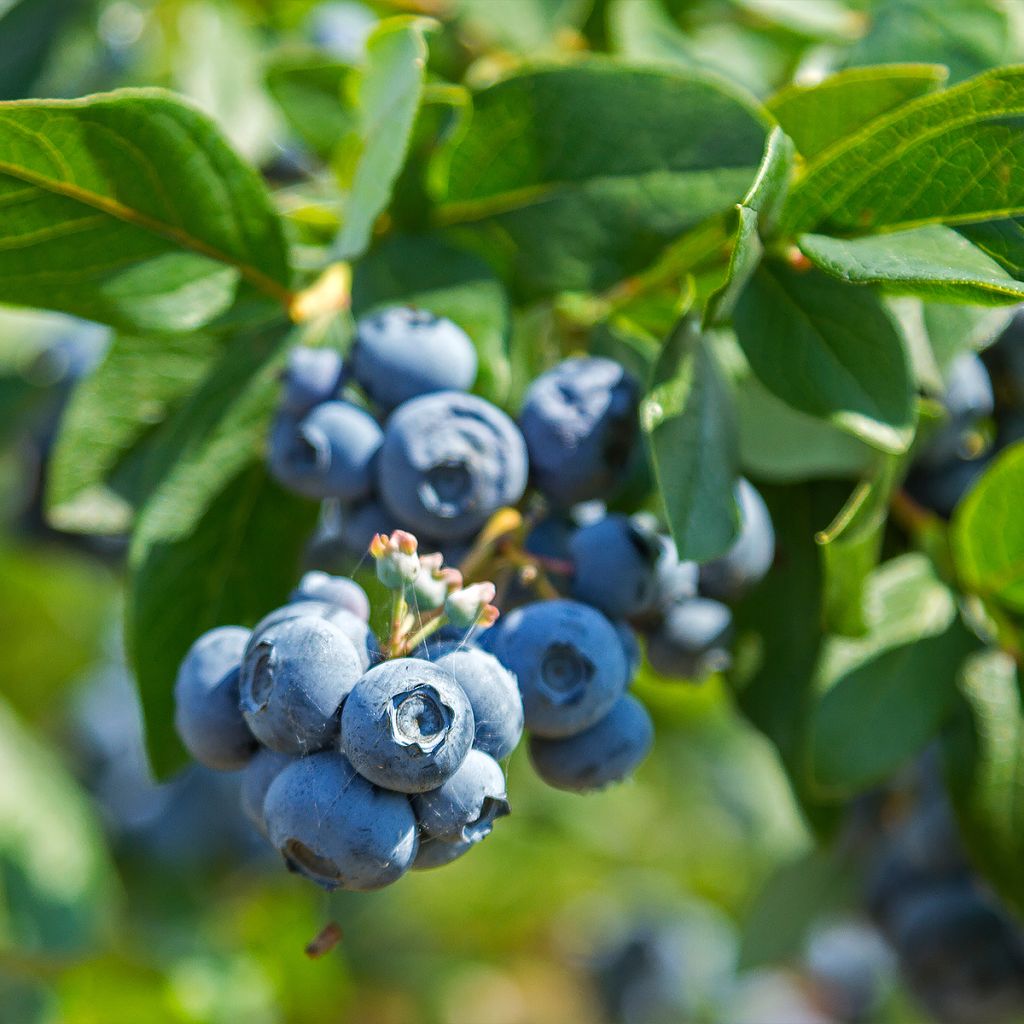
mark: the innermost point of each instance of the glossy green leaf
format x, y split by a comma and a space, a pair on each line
572, 178
643, 31
827, 20
884, 696
983, 752
427, 272
689, 422
129, 209
816, 116
314, 94
141, 381
988, 531
828, 350
755, 215
227, 562
57, 882
1002, 240
968, 36
952, 157
388, 96
932, 262
530, 27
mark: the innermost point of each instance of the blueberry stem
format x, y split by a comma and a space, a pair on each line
399, 609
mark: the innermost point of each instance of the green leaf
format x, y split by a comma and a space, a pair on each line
229, 562
601, 166
983, 752
643, 31
968, 36
428, 272
852, 368
829, 20
689, 422
952, 158
129, 209
884, 696
817, 116
28, 31
141, 381
312, 93
57, 883
779, 632
988, 531
370, 157
756, 214
1002, 240
849, 563
953, 329
932, 262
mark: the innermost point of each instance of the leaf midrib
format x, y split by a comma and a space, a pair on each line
126, 214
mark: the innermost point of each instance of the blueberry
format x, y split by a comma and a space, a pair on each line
607, 752
447, 639
613, 566
968, 398
675, 580
259, 773
295, 674
465, 807
329, 453
401, 353
693, 640
448, 462
580, 423
493, 695
355, 628
407, 725
747, 562
568, 660
336, 828
435, 853
339, 590
206, 711
630, 647
361, 522
312, 376
961, 956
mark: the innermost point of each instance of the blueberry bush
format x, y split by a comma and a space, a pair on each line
424, 376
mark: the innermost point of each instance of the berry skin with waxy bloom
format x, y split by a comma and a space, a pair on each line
465, 807
339, 590
580, 423
693, 640
747, 562
337, 829
407, 725
295, 674
401, 353
206, 700
312, 376
609, 751
568, 660
257, 776
449, 461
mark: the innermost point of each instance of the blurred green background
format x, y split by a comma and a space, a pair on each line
691, 893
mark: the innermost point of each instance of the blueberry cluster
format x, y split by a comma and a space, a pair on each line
409, 449
361, 759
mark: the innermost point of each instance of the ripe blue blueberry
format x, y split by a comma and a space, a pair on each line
257, 776
941, 486
206, 700
407, 725
355, 628
336, 828
613, 566
675, 580
312, 376
580, 422
435, 853
339, 590
693, 640
747, 562
329, 453
464, 807
607, 752
493, 695
568, 660
630, 647
295, 674
401, 353
361, 522
968, 398
448, 462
